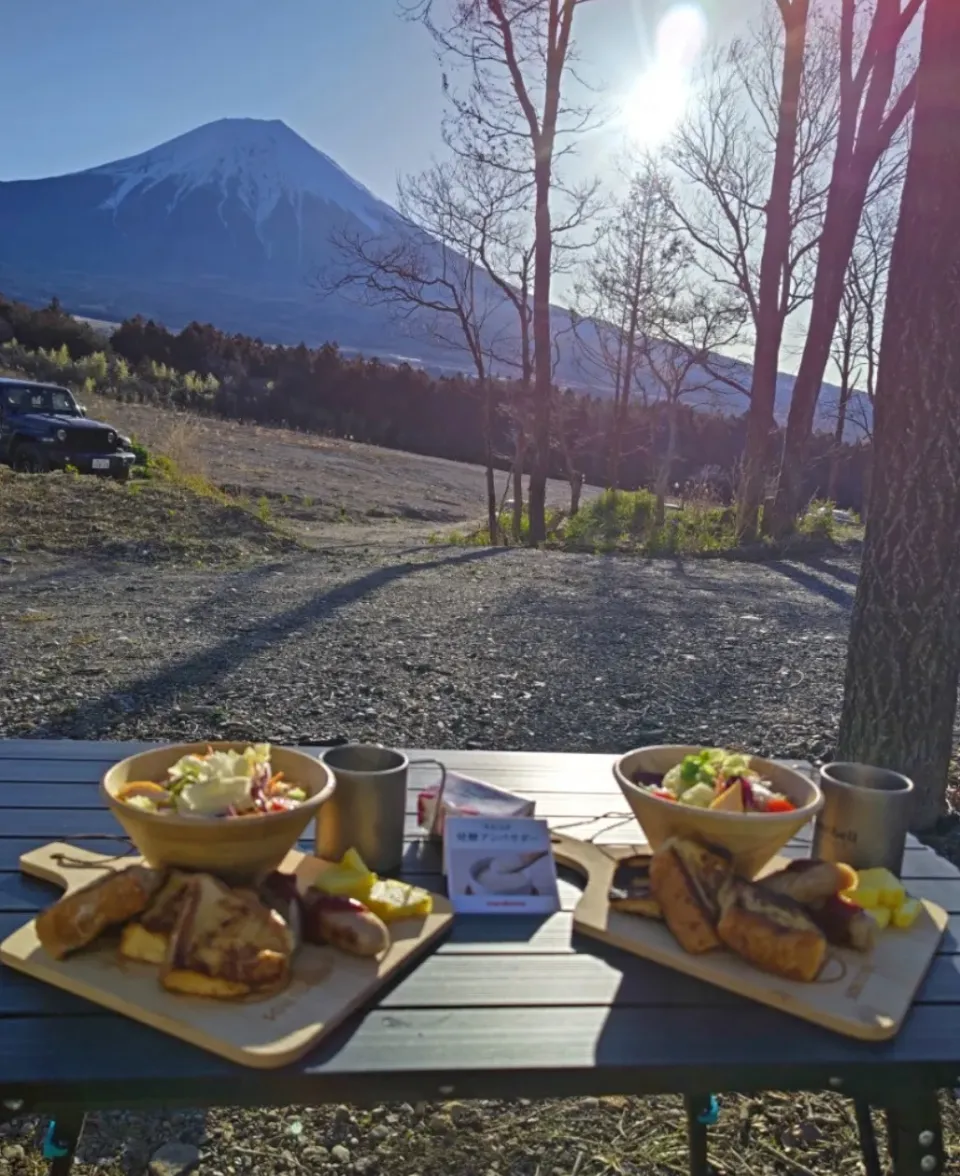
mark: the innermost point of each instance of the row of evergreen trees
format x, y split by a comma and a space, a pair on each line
204, 370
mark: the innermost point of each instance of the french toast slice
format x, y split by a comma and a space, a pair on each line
772, 932
226, 944
686, 879
146, 939
77, 919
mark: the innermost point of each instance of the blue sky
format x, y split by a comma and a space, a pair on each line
88, 82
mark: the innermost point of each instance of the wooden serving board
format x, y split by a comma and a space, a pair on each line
865, 996
327, 984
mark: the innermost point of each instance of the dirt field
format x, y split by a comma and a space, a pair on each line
320, 484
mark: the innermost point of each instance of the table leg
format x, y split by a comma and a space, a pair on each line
916, 1135
701, 1110
60, 1142
868, 1138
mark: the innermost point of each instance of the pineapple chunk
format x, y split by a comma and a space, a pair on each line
881, 915
867, 897
393, 901
352, 860
907, 913
349, 878
889, 889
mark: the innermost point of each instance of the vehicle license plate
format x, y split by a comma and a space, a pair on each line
101, 463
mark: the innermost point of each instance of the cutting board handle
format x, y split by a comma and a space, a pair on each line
69, 867
596, 864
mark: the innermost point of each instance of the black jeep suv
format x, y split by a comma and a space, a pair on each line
43, 428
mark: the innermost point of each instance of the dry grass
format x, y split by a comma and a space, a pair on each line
180, 436
159, 519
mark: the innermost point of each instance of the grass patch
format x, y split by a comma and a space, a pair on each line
165, 515
625, 522
819, 521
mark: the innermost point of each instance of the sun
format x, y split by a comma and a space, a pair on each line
661, 95
655, 106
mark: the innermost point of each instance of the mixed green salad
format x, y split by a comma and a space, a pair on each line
217, 784
717, 779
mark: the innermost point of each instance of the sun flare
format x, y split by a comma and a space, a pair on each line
660, 96
655, 106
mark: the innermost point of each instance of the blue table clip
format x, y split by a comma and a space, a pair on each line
51, 1149
711, 1114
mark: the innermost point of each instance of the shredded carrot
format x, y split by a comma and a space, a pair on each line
274, 779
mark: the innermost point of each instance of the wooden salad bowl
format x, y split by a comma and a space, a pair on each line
751, 838
240, 850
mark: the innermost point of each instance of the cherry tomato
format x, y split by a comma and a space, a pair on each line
779, 804
663, 794
279, 804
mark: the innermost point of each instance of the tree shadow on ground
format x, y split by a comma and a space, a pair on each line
836, 595
630, 653
160, 689
826, 568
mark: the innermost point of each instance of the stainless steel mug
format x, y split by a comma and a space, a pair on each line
865, 816
368, 807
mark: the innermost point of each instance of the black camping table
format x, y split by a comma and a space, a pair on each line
505, 1007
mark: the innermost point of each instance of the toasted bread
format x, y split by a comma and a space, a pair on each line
146, 947
809, 882
226, 944
631, 890
80, 918
774, 933
147, 938
686, 878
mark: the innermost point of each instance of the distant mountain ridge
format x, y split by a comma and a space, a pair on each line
229, 223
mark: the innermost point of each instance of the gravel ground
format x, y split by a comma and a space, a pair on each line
780, 1135
430, 647
438, 647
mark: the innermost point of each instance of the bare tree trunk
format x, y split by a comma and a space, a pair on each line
518, 460
904, 655
864, 132
489, 423
542, 356
867, 485
666, 464
613, 453
576, 489
836, 246
776, 251
834, 477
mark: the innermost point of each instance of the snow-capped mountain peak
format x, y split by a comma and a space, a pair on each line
256, 160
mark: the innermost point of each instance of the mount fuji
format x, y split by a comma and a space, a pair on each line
229, 223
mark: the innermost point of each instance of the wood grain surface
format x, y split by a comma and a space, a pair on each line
860, 995
327, 985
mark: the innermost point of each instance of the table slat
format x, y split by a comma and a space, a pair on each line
492, 1053
452, 980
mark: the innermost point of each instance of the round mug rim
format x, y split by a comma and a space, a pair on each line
907, 787
344, 747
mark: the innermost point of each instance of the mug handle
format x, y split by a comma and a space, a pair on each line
419, 763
